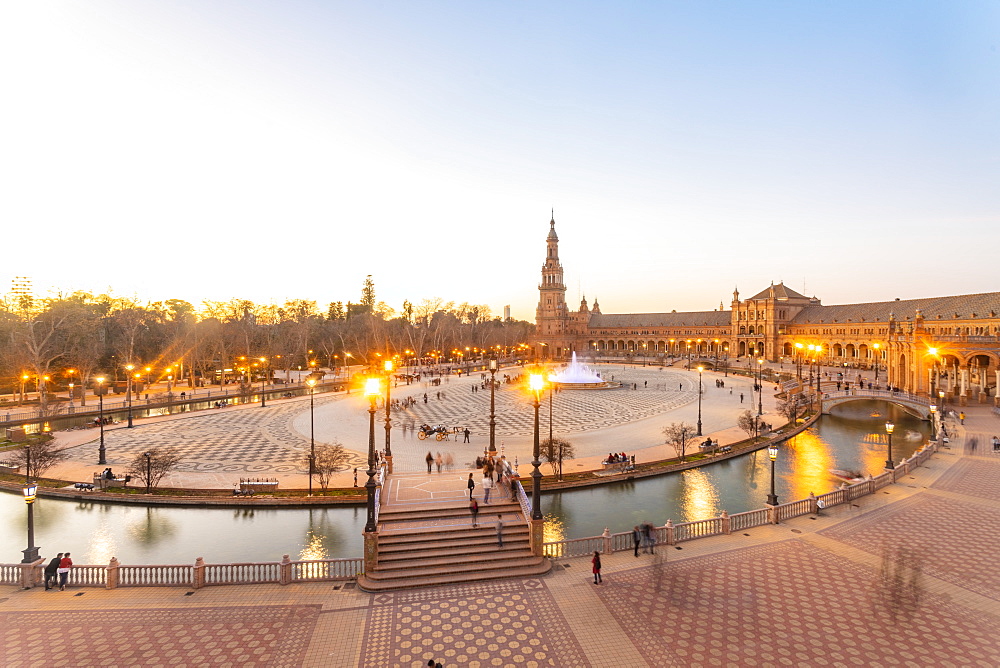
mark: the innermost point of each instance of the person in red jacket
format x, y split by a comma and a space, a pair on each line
63, 571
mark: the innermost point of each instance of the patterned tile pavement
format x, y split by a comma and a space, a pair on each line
243, 636
498, 623
790, 603
972, 478
918, 527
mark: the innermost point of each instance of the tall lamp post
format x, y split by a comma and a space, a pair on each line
537, 384
760, 386
372, 392
700, 370
31, 553
128, 393
100, 412
889, 426
263, 379
772, 454
312, 435
388, 421
493, 415
933, 408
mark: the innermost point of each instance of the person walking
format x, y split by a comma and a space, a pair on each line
439, 461
596, 561
499, 532
474, 509
487, 486
466, 433
471, 485
961, 417
51, 571
65, 564
647, 534
430, 461
636, 540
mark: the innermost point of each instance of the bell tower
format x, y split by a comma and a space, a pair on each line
551, 316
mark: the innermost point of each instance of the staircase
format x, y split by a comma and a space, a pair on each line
434, 544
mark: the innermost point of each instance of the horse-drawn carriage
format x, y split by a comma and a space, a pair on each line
440, 432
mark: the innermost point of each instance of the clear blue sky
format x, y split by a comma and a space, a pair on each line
273, 150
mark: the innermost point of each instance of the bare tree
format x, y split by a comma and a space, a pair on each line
330, 458
150, 466
679, 434
554, 451
791, 407
37, 457
749, 423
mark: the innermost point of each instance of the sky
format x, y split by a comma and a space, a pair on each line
209, 150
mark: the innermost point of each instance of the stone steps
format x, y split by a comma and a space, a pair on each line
413, 553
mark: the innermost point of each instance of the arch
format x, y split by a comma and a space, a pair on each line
787, 349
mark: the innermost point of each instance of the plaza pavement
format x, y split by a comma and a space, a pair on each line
906, 576
219, 447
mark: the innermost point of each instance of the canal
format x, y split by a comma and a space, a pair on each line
852, 438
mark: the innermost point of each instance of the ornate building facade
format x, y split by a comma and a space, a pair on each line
948, 345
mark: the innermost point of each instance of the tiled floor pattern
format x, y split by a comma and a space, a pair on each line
956, 541
238, 636
791, 603
228, 441
972, 478
493, 624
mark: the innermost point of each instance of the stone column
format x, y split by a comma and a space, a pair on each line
371, 550
996, 396
111, 579
964, 399
537, 533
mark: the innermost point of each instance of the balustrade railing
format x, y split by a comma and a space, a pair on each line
748, 519
697, 529
154, 576
671, 534
522, 498
115, 575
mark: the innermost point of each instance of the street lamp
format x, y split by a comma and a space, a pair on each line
71, 397
933, 426
941, 397
312, 435
760, 386
149, 471
372, 392
889, 426
493, 415
388, 423
772, 454
100, 409
700, 370
128, 393
536, 383
30, 491
263, 378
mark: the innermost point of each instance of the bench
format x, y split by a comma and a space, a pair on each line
84, 485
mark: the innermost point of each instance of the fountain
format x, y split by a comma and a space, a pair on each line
578, 376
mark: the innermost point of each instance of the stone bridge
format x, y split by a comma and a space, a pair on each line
914, 404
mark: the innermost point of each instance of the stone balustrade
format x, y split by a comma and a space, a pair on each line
199, 575
671, 534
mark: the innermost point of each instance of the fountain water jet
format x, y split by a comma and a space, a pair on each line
578, 376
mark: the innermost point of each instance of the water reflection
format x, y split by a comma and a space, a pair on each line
699, 498
810, 458
150, 529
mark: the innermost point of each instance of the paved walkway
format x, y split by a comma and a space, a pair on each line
903, 577
218, 447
